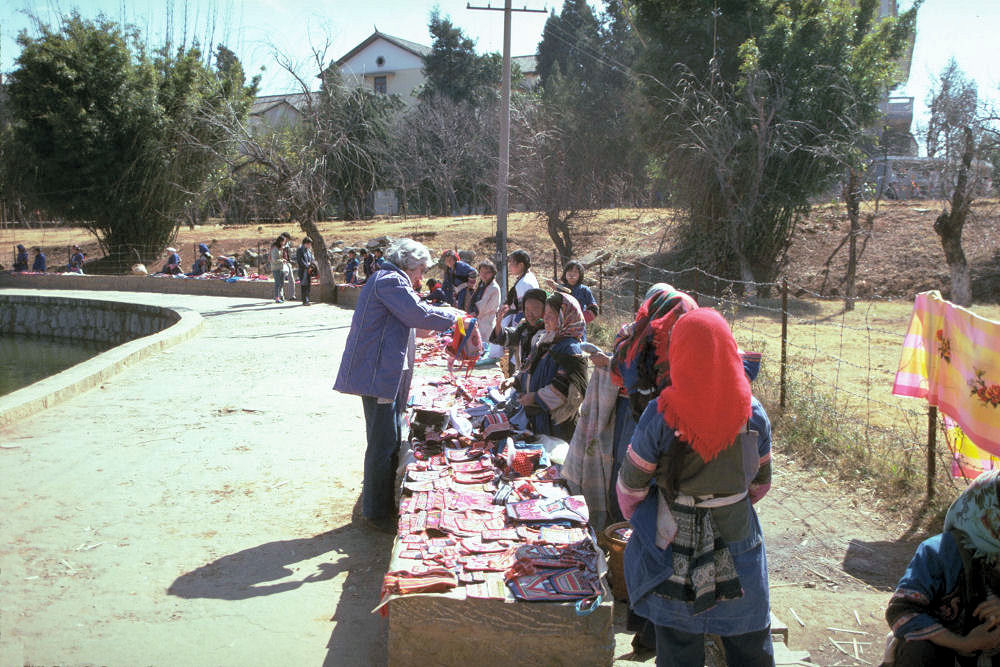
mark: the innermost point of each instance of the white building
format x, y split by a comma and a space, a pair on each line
385, 64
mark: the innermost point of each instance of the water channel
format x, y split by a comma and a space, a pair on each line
28, 359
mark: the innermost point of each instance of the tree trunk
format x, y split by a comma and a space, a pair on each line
949, 225
327, 284
558, 229
852, 199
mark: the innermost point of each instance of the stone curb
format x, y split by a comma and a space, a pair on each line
91, 373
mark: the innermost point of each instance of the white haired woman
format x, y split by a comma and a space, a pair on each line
378, 365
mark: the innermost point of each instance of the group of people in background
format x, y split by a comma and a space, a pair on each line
39, 264
358, 270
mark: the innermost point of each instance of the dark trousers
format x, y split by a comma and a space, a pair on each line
683, 649
305, 283
382, 426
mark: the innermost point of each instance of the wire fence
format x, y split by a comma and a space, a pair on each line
827, 371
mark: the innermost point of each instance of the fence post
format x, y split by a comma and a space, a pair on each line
784, 338
635, 290
696, 288
600, 286
555, 265
931, 449
258, 258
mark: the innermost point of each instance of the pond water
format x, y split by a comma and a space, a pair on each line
27, 359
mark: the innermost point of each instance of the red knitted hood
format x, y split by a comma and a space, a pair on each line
708, 401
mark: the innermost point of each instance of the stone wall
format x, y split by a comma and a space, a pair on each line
85, 319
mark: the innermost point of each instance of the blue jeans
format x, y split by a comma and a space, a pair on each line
279, 282
683, 649
383, 427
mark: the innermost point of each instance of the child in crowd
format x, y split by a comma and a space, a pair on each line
21, 260
351, 268
77, 259
377, 253
435, 294
463, 297
572, 277
367, 264
39, 265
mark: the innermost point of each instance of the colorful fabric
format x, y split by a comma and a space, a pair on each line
588, 464
641, 364
704, 573
968, 460
976, 516
706, 370
951, 357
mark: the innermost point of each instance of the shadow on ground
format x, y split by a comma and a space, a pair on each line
358, 637
880, 563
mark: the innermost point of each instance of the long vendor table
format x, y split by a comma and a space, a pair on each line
494, 561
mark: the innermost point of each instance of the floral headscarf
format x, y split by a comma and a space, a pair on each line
571, 322
639, 366
708, 400
975, 516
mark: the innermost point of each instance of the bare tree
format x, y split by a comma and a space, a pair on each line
301, 163
962, 132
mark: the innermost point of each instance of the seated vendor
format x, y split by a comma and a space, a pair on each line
173, 264
552, 385
39, 265
946, 608
518, 337
203, 264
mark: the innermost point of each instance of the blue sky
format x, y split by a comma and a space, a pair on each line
963, 29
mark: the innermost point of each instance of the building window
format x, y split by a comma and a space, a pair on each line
380, 84
380, 61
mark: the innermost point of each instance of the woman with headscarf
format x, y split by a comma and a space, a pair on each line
695, 563
203, 263
634, 369
553, 384
946, 607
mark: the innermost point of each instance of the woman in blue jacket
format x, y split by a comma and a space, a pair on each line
378, 365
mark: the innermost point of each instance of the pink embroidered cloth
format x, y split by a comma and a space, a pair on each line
951, 357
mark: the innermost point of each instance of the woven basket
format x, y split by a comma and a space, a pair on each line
616, 559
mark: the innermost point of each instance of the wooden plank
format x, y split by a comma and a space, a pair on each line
434, 630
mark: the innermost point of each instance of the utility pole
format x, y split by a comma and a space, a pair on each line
504, 169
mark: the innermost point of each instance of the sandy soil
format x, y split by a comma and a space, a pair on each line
197, 510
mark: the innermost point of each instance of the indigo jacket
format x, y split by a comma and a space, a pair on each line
376, 350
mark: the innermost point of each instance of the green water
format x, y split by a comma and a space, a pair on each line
27, 359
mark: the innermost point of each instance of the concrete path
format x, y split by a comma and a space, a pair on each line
195, 509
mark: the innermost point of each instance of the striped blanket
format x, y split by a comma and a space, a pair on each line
587, 469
